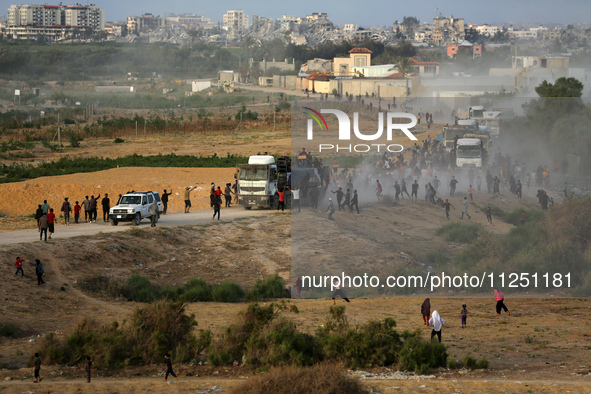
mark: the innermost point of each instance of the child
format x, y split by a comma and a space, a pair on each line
88, 367
489, 214
77, 209
437, 322
464, 315
470, 191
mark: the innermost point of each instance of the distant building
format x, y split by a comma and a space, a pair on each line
286, 20
454, 50
350, 27
448, 30
145, 23
487, 30
317, 16
235, 20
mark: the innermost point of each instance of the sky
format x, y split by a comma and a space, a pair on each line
364, 13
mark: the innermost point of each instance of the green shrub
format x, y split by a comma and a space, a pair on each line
421, 356
471, 363
531, 216
140, 289
454, 364
498, 212
374, 343
272, 287
196, 290
437, 258
8, 330
459, 232
75, 140
482, 363
227, 292
528, 339
118, 140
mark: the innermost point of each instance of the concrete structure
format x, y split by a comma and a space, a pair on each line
199, 85
145, 23
454, 50
529, 71
282, 66
423, 68
448, 30
523, 34
57, 16
235, 20
358, 57
487, 30
317, 16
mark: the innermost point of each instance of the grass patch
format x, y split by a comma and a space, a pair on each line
459, 232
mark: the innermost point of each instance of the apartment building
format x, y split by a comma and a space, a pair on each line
145, 23
56, 15
448, 30
235, 20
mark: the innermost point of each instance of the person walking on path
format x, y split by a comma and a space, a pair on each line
217, 205
39, 271
187, 197
51, 218
87, 213
106, 203
501, 302
465, 209
437, 323
489, 214
228, 195
66, 209
414, 191
43, 227
464, 314
340, 194
164, 200
330, 209
45, 207
37, 365
77, 209
93, 210
19, 266
338, 292
88, 368
169, 371
153, 213
426, 310
38, 214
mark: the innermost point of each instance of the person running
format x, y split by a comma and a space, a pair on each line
187, 196
77, 209
347, 201
52, 220
39, 271
426, 310
378, 190
280, 199
437, 322
452, 186
43, 227
217, 205
106, 204
38, 215
464, 314
447, 205
88, 368
355, 201
337, 292
403, 188
164, 200
169, 371
489, 214
414, 191
19, 266
500, 302
470, 192
465, 209
397, 189
37, 364
330, 209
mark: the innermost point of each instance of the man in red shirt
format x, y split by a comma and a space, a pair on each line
218, 192
52, 221
281, 195
77, 209
19, 266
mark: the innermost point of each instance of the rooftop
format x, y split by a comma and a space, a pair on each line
360, 50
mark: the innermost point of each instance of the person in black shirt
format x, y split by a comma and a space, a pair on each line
106, 203
169, 370
88, 368
165, 201
38, 215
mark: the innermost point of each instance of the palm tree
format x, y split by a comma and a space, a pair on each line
193, 34
404, 67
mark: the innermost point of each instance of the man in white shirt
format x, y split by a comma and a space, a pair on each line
295, 198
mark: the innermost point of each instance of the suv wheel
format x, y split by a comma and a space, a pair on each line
137, 219
114, 222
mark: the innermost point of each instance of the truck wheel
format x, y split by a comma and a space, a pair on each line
137, 219
114, 222
248, 208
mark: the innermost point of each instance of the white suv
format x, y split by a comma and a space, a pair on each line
134, 206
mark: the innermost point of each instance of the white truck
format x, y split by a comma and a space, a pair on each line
469, 153
134, 206
257, 181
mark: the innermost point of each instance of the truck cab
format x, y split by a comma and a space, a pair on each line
256, 182
469, 153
